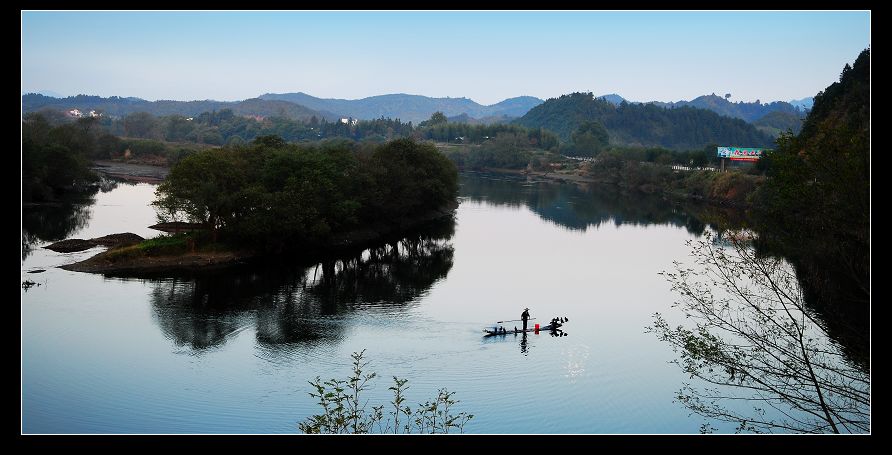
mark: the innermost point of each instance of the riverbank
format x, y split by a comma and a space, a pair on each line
558, 176
111, 241
149, 258
107, 263
132, 171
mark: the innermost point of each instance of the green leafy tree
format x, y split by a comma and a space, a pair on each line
271, 195
409, 176
141, 125
437, 118
204, 187
589, 139
177, 128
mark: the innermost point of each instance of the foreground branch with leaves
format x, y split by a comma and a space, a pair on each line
754, 340
345, 412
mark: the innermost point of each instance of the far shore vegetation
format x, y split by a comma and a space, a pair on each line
276, 182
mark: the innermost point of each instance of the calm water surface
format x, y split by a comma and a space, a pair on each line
232, 353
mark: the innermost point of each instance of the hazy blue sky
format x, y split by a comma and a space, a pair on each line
485, 56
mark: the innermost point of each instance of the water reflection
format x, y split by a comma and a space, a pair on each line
298, 304
578, 207
834, 281
50, 222
577, 360
301, 319
522, 337
829, 299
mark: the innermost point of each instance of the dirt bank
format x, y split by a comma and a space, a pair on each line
103, 263
133, 172
111, 240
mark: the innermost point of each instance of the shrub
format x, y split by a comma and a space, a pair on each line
344, 411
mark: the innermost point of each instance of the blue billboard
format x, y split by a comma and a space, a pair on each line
740, 153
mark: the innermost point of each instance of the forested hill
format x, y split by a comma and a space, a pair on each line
773, 118
822, 176
775, 123
684, 128
409, 108
120, 107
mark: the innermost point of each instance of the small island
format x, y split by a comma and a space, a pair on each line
233, 204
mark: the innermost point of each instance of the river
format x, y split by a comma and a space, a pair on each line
233, 352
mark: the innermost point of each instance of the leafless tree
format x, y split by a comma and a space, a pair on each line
759, 357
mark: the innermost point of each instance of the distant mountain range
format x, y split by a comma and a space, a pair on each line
119, 107
804, 103
742, 110
414, 108
644, 124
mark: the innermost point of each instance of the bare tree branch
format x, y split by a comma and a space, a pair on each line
754, 339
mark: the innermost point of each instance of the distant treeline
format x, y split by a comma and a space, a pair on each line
509, 150
172, 137
225, 127
464, 133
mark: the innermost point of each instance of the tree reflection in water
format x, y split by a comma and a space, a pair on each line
290, 303
51, 222
580, 206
